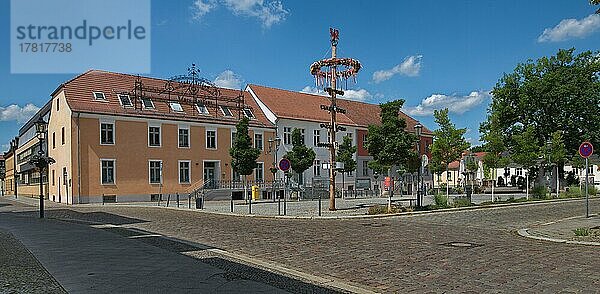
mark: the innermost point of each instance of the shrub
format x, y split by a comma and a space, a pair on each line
461, 202
383, 209
440, 201
582, 232
539, 192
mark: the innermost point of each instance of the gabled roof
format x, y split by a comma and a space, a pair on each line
297, 105
304, 106
79, 95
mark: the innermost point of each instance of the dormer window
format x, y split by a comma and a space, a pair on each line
226, 111
125, 100
202, 109
249, 114
99, 96
175, 106
147, 102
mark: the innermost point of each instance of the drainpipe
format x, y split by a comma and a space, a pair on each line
78, 162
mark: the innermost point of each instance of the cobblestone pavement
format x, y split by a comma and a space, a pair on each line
565, 229
466, 251
20, 272
305, 208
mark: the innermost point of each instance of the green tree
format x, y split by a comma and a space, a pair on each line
493, 158
243, 155
525, 151
389, 143
301, 157
557, 153
448, 142
557, 93
345, 155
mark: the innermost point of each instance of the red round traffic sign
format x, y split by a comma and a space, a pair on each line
586, 149
285, 164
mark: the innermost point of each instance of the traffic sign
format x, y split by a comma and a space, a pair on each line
586, 149
284, 164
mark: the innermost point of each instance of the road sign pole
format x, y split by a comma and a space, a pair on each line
586, 149
587, 197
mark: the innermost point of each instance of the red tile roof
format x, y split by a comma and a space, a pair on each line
79, 96
297, 105
304, 106
456, 164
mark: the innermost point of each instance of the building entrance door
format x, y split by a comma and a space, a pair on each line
210, 175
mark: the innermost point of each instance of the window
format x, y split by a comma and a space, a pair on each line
155, 171
236, 176
519, 171
201, 108
317, 168
365, 172
259, 172
316, 137
184, 138
449, 176
125, 100
507, 171
107, 134
53, 140
147, 102
258, 141
349, 135
154, 136
184, 172
287, 135
211, 139
175, 106
108, 171
226, 111
233, 137
248, 113
57, 104
328, 136
364, 140
53, 178
62, 136
99, 96
302, 136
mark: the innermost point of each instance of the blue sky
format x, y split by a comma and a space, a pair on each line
433, 54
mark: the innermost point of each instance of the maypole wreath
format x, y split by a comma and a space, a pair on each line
322, 69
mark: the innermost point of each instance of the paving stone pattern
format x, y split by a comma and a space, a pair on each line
397, 254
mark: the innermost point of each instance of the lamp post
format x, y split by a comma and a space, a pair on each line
418, 129
527, 185
14, 144
273, 149
41, 160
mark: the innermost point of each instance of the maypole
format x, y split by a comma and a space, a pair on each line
326, 75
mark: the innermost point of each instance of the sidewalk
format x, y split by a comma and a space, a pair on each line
563, 231
84, 259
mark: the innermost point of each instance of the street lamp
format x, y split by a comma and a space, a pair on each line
13, 148
418, 130
273, 149
41, 160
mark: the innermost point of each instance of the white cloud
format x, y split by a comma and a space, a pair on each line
268, 12
356, 95
455, 104
202, 7
410, 67
228, 79
571, 28
17, 113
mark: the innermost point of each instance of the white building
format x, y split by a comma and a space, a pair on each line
289, 110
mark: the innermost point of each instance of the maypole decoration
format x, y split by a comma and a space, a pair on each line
327, 73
